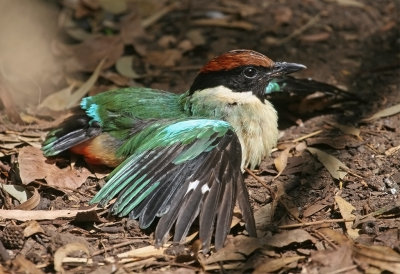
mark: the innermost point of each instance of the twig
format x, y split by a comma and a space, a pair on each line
258, 179
307, 136
300, 30
223, 23
317, 223
351, 172
372, 148
116, 246
373, 214
382, 210
325, 238
294, 216
158, 15
169, 263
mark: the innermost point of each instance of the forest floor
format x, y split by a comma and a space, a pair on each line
326, 201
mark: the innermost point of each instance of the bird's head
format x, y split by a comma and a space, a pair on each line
243, 71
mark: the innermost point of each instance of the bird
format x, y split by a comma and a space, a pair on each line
179, 158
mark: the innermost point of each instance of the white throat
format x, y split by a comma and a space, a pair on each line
255, 122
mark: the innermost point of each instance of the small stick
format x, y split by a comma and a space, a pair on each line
300, 30
325, 238
294, 216
158, 15
256, 177
116, 246
317, 223
351, 172
307, 136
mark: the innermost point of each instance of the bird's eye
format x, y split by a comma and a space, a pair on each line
250, 72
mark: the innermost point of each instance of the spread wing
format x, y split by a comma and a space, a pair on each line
185, 169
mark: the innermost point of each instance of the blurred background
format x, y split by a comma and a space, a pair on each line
47, 46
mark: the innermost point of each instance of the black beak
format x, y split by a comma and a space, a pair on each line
283, 68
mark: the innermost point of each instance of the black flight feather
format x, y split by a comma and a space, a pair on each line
73, 131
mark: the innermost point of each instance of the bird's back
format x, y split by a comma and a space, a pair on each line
108, 119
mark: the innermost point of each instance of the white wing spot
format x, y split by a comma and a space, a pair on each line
205, 188
192, 186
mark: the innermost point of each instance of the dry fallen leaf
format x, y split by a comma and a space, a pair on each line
33, 165
331, 260
331, 163
315, 207
196, 36
32, 228
124, 67
65, 99
273, 265
263, 217
29, 119
87, 55
384, 113
113, 6
10, 140
334, 235
346, 210
281, 161
382, 257
286, 238
19, 192
132, 33
116, 78
63, 251
28, 196
33, 200
283, 15
346, 129
300, 147
58, 101
235, 249
165, 58
24, 265
392, 150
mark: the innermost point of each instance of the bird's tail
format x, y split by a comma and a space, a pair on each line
306, 96
73, 131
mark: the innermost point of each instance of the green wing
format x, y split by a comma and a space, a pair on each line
183, 169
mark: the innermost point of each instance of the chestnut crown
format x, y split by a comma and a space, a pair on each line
242, 71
